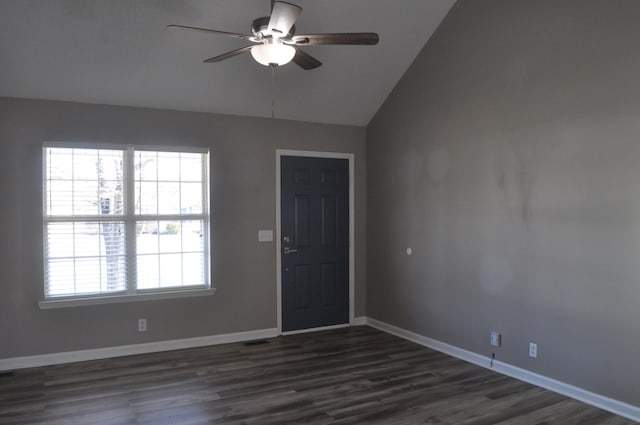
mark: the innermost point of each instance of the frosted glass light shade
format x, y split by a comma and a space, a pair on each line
273, 52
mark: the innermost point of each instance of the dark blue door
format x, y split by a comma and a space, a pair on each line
315, 242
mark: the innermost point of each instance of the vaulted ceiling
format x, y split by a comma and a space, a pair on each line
120, 52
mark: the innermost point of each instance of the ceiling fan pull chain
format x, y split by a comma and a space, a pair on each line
273, 90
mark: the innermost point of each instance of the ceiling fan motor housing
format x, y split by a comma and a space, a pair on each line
260, 27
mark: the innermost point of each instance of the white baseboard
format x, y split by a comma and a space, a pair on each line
151, 347
359, 321
128, 350
614, 406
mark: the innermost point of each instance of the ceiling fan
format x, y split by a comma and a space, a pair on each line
275, 40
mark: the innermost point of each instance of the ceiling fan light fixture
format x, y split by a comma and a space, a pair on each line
273, 52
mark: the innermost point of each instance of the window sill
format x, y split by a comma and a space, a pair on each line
110, 299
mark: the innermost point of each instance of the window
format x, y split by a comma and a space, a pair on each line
124, 221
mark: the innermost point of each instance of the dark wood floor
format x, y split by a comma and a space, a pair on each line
348, 376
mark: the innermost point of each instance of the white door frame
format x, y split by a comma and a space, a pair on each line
335, 155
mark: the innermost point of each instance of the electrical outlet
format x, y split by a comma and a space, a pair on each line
496, 339
533, 349
142, 325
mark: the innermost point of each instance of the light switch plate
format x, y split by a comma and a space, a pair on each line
265, 235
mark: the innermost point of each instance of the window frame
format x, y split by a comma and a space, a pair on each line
130, 219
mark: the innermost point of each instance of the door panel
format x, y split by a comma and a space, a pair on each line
302, 285
329, 220
315, 242
329, 292
302, 217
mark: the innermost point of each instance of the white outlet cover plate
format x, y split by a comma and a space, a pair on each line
495, 339
533, 350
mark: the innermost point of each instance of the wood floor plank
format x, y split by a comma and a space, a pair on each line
357, 375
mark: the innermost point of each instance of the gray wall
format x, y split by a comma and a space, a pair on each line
508, 159
242, 198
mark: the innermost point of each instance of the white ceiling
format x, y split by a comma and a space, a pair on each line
119, 52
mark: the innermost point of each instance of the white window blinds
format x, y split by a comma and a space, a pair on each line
124, 221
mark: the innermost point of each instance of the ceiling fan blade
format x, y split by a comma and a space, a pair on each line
228, 34
361, 38
228, 55
305, 61
283, 16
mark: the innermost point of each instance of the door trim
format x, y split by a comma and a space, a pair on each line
352, 274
